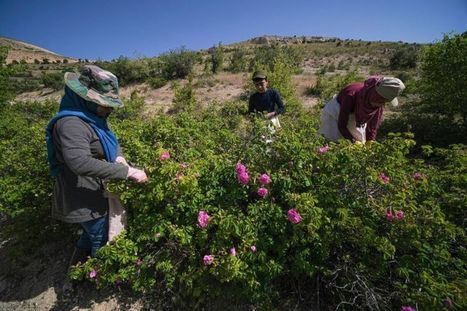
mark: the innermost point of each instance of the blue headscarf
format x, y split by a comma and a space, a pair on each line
73, 105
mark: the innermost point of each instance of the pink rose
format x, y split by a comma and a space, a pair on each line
184, 165
385, 179
253, 248
164, 156
93, 274
244, 178
323, 149
138, 262
208, 259
400, 215
389, 216
447, 303
240, 168
264, 179
417, 176
179, 176
294, 216
203, 219
407, 308
233, 252
262, 192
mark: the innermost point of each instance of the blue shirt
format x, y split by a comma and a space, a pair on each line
268, 101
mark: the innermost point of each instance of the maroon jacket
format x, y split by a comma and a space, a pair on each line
356, 98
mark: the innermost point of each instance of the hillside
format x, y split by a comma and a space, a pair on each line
25, 52
314, 54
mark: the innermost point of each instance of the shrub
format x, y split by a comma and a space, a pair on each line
444, 76
216, 58
404, 58
127, 71
184, 99
176, 64
438, 114
238, 61
264, 57
326, 87
6, 87
342, 241
341, 247
53, 80
156, 82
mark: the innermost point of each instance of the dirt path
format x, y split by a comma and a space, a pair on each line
34, 282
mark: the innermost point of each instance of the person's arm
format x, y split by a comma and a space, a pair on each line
280, 105
343, 120
75, 140
373, 125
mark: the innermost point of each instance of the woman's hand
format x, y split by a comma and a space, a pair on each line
270, 115
137, 175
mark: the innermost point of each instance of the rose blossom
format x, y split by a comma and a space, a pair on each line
93, 274
164, 156
323, 149
244, 178
240, 168
400, 215
407, 308
447, 303
203, 219
179, 176
253, 248
417, 176
294, 216
264, 179
262, 192
385, 179
233, 251
208, 259
389, 215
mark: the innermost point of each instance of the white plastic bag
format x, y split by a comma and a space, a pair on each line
117, 216
275, 122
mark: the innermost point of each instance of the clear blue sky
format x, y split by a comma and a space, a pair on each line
95, 29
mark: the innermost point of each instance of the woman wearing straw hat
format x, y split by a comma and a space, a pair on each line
83, 153
356, 112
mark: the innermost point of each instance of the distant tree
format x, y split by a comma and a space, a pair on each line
65, 61
177, 64
264, 57
238, 61
45, 61
36, 61
404, 58
217, 58
6, 88
444, 77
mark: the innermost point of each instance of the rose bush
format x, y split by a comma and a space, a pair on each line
320, 224
321, 233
